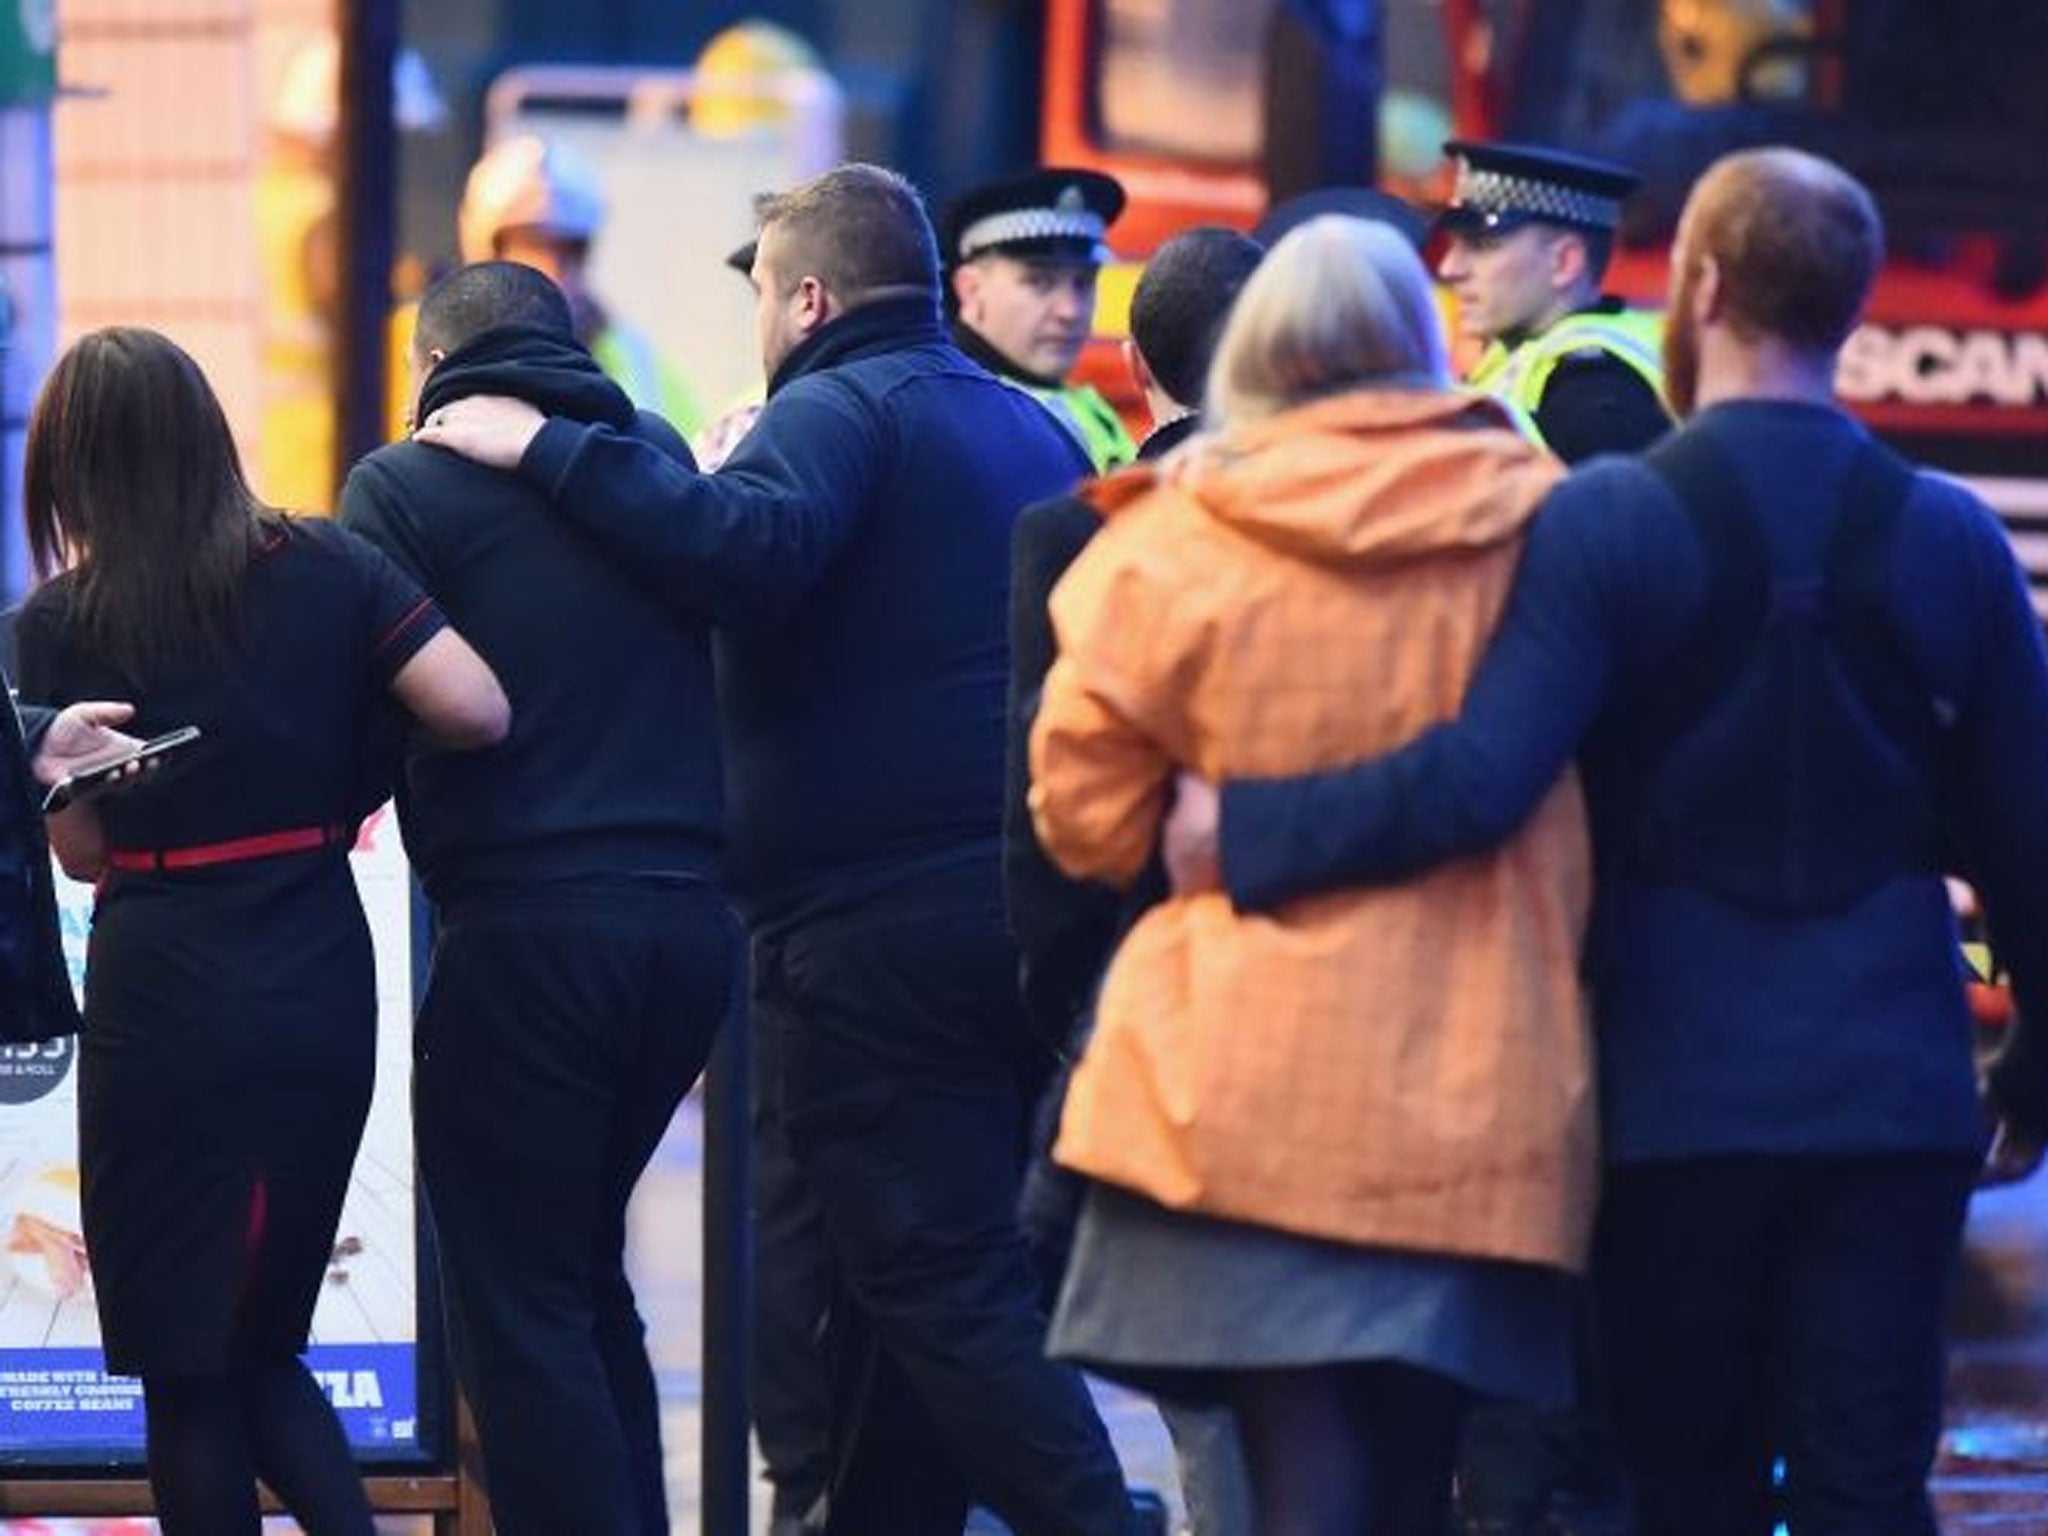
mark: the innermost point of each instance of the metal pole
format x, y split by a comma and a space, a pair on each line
368, 172
728, 1284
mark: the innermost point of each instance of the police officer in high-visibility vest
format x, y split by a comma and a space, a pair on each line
537, 202
1022, 257
1526, 239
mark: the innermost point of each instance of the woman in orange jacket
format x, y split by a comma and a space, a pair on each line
1343, 1152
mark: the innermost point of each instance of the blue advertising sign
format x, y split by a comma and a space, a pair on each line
58, 1405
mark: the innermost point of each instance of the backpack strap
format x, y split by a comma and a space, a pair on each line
1786, 753
1736, 592
1859, 573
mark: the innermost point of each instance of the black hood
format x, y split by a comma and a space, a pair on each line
554, 375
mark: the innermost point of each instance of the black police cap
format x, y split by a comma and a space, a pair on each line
1053, 211
1501, 187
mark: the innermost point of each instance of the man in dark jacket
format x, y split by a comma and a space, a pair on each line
37, 748
585, 956
1802, 681
855, 549
1066, 928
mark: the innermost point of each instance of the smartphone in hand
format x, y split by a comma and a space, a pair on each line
86, 784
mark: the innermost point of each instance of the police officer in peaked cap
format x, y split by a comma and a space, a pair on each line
1022, 257
1526, 239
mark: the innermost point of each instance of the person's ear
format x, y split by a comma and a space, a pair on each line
967, 280
1141, 371
814, 304
1709, 296
1569, 263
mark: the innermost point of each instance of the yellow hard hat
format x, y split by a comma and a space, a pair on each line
527, 182
1720, 50
736, 71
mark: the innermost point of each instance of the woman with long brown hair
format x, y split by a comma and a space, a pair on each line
230, 1005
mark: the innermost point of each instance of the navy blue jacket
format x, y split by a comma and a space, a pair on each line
1722, 1029
855, 552
612, 766
36, 1001
1065, 928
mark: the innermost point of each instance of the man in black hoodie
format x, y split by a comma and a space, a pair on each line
855, 549
1066, 929
585, 955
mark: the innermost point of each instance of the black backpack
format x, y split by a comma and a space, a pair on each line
1788, 755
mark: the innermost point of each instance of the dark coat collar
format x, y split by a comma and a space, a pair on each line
886, 325
1164, 439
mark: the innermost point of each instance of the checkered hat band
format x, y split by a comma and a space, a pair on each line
1495, 192
1030, 224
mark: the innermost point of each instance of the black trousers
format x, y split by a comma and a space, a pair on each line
908, 1069
1524, 1469
1758, 1308
560, 1031
790, 1379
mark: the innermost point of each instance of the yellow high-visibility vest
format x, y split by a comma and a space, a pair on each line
1519, 375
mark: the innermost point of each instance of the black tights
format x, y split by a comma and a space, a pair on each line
1347, 1450
212, 1437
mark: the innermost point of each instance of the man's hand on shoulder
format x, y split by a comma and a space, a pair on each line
1188, 842
491, 429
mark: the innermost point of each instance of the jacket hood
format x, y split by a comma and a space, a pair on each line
1368, 477
548, 372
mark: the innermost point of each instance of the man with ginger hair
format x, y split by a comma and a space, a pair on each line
1803, 680
854, 552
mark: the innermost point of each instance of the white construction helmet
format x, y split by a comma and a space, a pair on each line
527, 182
306, 104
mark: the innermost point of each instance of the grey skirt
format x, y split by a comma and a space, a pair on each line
1165, 1300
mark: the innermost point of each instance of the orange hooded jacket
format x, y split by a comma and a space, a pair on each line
1405, 1066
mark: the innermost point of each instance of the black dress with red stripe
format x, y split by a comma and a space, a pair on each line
230, 1007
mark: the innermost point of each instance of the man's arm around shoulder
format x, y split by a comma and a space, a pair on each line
1464, 786
740, 546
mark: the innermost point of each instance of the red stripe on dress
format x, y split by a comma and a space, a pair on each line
405, 622
252, 1241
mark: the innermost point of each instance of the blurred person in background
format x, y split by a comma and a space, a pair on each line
230, 999
538, 202
714, 443
298, 244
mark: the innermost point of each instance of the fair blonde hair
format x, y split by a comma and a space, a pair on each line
1340, 303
